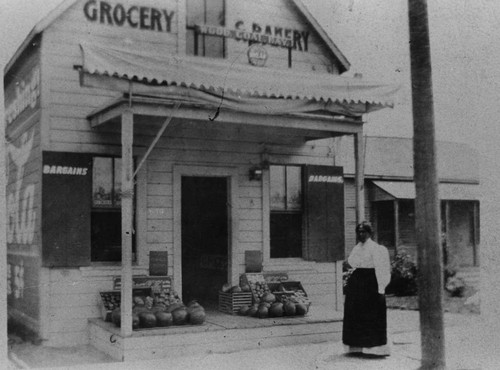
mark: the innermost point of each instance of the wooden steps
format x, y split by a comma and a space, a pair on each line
221, 333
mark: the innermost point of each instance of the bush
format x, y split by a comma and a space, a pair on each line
346, 273
454, 285
403, 276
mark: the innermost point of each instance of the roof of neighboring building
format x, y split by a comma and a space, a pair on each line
66, 4
391, 158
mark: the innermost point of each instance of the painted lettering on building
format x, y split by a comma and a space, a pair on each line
21, 216
64, 170
26, 93
319, 178
264, 34
134, 16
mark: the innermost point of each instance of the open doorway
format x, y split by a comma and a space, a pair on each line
204, 239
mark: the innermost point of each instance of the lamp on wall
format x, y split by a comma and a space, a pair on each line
255, 173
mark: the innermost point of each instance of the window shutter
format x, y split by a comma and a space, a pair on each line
66, 205
324, 209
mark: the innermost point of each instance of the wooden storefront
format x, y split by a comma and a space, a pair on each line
170, 136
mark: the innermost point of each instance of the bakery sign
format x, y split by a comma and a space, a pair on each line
264, 34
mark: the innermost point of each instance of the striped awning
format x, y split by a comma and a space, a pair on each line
238, 80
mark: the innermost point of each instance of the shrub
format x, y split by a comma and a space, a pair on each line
454, 285
346, 274
403, 276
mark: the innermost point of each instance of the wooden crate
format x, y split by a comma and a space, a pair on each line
290, 289
231, 302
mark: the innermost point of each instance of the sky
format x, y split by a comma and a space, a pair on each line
373, 35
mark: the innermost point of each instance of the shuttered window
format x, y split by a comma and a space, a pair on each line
324, 205
66, 184
81, 209
307, 212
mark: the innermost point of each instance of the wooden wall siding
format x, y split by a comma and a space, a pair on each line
69, 103
74, 298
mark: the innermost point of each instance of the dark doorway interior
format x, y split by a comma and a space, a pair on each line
204, 238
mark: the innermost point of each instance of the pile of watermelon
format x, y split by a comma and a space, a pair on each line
270, 307
148, 314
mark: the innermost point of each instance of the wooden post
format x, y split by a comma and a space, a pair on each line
359, 155
427, 199
396, 225
3, 237
127, 217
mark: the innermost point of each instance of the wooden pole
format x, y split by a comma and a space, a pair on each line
427, 199
127, 216
359, 176
3, 235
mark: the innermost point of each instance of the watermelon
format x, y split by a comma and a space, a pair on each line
262, 312
135, 321
147, 319
197, 316
116, 316
180, 316
243, 311
301, 309
289, 308
276, 310
163, 319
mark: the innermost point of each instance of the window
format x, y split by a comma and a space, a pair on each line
286, 211
205, 12
106, 210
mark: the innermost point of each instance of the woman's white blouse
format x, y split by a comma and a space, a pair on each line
372, 255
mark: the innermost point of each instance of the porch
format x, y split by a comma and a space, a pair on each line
221, 333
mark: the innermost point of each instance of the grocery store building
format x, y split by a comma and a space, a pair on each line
179, 138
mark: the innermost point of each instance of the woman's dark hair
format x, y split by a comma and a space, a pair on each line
365, 226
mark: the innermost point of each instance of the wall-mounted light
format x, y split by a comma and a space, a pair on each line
255, 174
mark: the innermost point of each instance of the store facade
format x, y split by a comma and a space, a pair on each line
172, 138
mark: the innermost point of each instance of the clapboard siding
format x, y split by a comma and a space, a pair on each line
74, 292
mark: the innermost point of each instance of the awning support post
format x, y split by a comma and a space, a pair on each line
127, 215
158, 136
359, 176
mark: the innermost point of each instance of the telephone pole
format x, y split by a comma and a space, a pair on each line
427, 199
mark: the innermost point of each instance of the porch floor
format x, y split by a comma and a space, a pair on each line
220, 333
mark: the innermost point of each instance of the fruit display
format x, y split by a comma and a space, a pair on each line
275, 299
257, 283
150, 312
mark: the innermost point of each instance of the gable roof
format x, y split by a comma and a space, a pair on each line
66, 4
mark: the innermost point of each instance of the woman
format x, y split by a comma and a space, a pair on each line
365, 313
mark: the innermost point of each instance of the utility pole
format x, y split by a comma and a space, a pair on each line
427, 199
3, 234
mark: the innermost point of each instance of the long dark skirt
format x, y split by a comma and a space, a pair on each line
365, 311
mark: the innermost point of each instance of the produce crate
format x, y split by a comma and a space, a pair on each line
257, 283
290, 290
231, 302
109, 301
